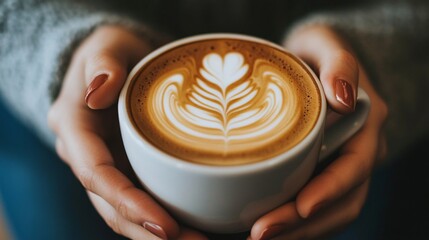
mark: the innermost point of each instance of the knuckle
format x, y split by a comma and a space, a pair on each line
347, 58
113, 223
126, 205
122, 207
87, 178
99, 57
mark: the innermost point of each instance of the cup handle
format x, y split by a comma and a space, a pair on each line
346, 127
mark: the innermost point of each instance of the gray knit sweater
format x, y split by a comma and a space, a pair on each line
37, 38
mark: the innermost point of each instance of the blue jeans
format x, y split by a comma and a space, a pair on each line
43, 199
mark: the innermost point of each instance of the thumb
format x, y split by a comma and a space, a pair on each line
330, 58
110, 52
339, 75
105, 76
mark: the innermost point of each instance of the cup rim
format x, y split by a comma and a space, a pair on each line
166, 158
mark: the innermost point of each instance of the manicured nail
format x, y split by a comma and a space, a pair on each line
95, 84
271, 231
344, 93
155, 230
315, 209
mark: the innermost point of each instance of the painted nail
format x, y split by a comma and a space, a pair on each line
344, 93
94, 85
315, 209
155, 230
271, 231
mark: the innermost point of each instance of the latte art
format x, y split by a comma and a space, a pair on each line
223, 107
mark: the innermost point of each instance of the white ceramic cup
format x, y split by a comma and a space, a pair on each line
229, 199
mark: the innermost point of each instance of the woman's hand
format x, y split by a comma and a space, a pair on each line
333, 198
84, 118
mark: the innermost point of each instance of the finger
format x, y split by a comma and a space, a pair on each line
285, 222
339, 77
337, 68
108, 75
334, 218
351, 169
119, 224
276, 221
111, 52
190, 234
92, 163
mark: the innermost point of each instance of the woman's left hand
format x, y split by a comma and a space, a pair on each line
333, 198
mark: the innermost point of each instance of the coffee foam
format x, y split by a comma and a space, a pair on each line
224, 102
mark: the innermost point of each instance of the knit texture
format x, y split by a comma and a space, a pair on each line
390, 40
38, 37
37, 42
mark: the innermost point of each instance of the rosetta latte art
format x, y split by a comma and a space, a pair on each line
225, 106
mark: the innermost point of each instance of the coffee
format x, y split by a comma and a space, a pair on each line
224, 101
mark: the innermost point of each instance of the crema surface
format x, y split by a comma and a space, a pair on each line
224, 102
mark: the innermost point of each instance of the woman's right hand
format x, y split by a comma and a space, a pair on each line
84, 118
334, 197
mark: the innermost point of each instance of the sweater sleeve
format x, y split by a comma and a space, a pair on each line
391, 40
37, 39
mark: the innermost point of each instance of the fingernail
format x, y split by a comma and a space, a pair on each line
344, 93
155, 230
95, 84
315, 209
271, 231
